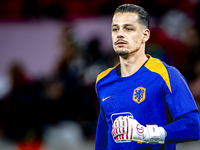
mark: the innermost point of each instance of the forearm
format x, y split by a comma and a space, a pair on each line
186, 128
101, 134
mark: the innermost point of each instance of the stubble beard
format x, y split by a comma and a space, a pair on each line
123, 52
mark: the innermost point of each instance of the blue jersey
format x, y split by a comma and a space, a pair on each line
155, 94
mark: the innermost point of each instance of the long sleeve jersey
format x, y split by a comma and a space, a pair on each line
155, 94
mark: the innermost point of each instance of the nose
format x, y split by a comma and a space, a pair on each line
120, 34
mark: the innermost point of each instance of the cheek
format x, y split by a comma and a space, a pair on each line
113, 40
113, 36
136, 39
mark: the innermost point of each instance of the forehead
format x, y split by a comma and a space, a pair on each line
125, 18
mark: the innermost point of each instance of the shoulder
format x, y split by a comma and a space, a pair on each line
157, 66
105, 73
170, 74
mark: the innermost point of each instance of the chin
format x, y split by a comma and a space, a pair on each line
122, 52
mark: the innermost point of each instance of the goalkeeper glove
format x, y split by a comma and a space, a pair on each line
128, 129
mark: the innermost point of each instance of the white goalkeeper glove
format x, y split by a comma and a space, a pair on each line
128, 129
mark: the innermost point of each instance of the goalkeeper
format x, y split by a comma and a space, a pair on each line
144, 103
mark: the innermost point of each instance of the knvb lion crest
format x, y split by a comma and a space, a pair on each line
139, 95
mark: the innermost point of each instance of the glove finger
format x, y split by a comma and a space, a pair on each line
115, 129
115, 132
118, 132
120, 137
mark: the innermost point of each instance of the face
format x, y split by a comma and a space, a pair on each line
127, 34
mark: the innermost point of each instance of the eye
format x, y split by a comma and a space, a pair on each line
129, 29
114, 29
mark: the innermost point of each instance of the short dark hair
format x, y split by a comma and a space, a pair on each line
142, 13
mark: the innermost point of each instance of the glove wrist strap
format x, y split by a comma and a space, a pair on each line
155, 134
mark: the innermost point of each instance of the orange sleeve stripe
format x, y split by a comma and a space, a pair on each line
104, 73
155, 65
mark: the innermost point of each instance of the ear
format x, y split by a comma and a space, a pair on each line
146, 35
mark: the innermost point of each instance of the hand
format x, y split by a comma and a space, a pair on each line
127, 129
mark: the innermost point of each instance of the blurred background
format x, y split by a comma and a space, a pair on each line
51, 52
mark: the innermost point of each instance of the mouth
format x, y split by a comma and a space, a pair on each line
120, 43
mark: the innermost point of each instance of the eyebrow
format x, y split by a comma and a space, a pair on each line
123, 25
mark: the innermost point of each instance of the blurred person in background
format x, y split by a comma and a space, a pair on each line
144, 103
195, 84
68, 92
22, 122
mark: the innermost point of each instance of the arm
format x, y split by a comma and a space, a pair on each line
101, 141
185, 128
185, 125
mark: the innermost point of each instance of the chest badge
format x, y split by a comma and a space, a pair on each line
139, 95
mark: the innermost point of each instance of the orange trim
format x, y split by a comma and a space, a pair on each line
104, 73
155, 65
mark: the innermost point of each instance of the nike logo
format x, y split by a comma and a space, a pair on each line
105, 98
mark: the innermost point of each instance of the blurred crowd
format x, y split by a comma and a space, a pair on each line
69, 94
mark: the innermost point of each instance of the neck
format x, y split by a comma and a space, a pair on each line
131, 64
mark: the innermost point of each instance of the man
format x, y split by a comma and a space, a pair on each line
144, 103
